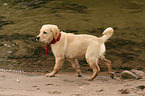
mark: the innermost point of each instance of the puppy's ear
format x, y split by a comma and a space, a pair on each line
55, 32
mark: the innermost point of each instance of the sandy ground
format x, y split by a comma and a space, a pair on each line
65, 84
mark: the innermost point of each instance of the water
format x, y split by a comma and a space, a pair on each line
20, 22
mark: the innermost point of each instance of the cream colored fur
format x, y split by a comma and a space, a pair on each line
71, 47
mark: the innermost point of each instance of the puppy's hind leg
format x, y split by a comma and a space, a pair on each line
96, 69
108, 63
76, 66
58, 65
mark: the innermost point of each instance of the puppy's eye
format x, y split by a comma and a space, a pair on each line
44, 32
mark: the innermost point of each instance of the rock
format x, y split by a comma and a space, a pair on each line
128, 75
141, 87
5, 4
138, 73
14, 44
10, 52
5, 44
124, 91
100, 90
9, 46
18, 80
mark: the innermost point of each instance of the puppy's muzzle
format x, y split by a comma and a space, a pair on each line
37, 38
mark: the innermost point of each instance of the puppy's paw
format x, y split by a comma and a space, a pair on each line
78, 75
89, 79
49, 75
113, 75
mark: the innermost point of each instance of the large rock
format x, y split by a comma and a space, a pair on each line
133, 74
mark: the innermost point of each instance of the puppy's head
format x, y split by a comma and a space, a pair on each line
48, 33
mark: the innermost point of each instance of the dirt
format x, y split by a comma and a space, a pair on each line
65, 84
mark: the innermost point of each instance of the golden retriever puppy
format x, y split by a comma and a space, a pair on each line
68, 46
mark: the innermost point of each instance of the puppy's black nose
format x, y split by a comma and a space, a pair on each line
37, 38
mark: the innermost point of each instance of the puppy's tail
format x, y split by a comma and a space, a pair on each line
107, 34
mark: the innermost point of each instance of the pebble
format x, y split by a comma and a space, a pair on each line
13, 71
14, 44
5, 44
17, 80
10, 52
5, 4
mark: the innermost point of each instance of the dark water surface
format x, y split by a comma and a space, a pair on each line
20, 22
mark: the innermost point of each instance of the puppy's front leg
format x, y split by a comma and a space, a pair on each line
58, 65
76, 66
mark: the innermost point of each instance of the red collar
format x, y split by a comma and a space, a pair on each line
55, 40
52, 42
